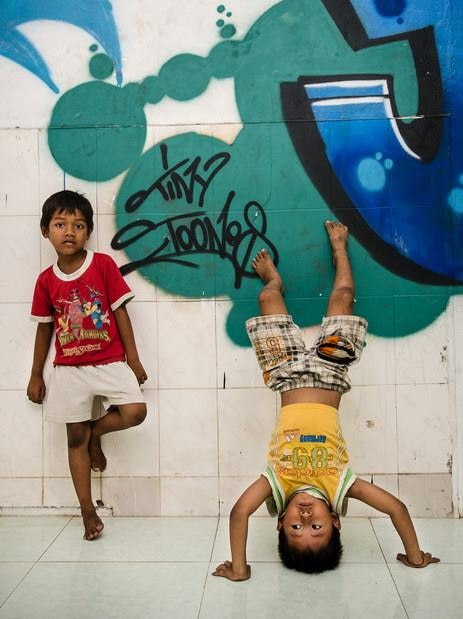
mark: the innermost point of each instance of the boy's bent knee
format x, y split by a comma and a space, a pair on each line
78, 434
344, 294
341, 301
133, 414
267, 295
139, 415
271, 301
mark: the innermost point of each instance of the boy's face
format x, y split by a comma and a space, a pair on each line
308, 522
68, 232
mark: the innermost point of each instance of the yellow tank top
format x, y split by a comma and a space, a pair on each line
307, 453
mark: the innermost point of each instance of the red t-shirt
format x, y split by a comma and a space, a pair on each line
81, 304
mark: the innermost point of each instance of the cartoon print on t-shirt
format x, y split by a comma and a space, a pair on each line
63, 321
81, 318
93, 309
74, 313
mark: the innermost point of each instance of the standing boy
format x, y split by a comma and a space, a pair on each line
308, 478
82, 297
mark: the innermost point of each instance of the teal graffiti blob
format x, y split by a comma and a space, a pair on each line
184, 77
97, 130
151, 89
228, 31
224, 59
101, 66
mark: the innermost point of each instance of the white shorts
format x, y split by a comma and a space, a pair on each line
84, 392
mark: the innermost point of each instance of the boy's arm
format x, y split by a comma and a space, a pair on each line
128, 340
36, 386
249, 501
389, 504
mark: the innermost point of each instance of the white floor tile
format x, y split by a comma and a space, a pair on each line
442, 537
359, 542
27, 538
113, 591
274, 592
138, 539
435, 591
11, 575
262, 541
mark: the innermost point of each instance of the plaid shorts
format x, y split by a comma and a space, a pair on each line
287, 363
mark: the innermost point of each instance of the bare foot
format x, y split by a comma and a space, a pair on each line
92, 523
338, 234
97, 457
265, 268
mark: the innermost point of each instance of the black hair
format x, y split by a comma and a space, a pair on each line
68, 202
310, 561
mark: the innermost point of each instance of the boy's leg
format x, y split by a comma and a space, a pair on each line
341, 299
271, 296
122, 417
79, 464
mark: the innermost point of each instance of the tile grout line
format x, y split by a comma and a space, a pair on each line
208, 568
388, 568
34, 563
18, 584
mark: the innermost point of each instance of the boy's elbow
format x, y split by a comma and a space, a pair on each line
236, 510
400, 506
239, 510
399, 509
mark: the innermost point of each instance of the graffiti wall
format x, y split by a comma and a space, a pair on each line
202, 134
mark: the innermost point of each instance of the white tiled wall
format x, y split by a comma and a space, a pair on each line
209, 417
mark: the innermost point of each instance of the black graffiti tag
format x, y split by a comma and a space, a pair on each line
196, 233
193, 233
181, 180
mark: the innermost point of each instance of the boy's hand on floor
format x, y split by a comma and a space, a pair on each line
226, 570
427, 559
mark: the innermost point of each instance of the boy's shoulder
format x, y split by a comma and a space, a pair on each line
46, 273
101, 259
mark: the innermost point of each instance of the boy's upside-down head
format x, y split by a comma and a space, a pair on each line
309, 535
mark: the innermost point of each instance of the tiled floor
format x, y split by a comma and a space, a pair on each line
160, 567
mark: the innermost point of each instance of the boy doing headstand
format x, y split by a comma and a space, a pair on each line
308, 478
82, 297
